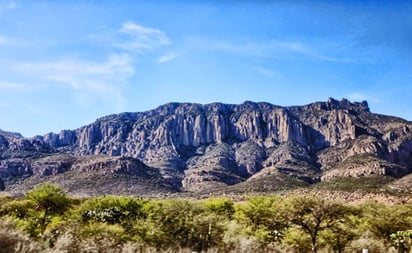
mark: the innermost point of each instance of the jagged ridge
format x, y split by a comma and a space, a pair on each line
197, 147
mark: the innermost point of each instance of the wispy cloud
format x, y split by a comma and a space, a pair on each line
307, 50
116, 66
88, 78
269, 72
359, 96
168, 57
278, 50
140, 38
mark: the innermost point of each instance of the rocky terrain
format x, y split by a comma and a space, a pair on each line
186, 147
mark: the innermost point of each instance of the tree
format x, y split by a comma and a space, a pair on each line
339, 236
49, 199
169, 224
177, 224
384, 220
113, 209
297, 240
261, 217
313, 215
220, 206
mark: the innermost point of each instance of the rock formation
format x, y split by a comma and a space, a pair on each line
198, 147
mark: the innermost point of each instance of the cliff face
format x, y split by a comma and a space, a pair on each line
204, 146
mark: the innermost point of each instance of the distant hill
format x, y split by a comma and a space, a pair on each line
195, 148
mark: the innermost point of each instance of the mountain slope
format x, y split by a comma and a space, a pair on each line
196, 147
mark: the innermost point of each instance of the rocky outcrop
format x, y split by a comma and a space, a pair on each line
64, 138
85, 175
14, 167
197, 147
52, 165
57, 164
110, 164
214, 164
13, 145
364, 165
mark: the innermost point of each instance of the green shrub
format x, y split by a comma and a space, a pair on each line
50, 198
262, 219
220, 206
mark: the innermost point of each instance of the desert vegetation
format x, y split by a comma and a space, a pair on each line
46, 219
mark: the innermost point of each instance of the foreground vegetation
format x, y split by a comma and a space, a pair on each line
47, 220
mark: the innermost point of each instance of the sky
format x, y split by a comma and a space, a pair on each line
63, 64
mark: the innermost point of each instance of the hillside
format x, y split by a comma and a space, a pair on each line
186, 147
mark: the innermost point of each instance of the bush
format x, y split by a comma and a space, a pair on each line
50, 198
261, 218
48, 221
112, 209
220, 206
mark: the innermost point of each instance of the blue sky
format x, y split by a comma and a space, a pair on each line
65, 63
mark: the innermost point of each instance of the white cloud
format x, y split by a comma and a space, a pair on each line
278, 50
358, 96
168, 57
115, 66
87, 78
269, 72
311, 51
91, 79
140, 38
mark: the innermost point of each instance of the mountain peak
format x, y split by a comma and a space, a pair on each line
345, 104
12, 134
195, 147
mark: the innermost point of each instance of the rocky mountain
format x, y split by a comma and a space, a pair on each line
192, 147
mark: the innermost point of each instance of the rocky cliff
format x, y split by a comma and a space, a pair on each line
197, 147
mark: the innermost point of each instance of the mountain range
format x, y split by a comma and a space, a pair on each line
195, 148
